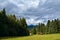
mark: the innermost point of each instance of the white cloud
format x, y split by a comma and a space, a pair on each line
41, 9
32, 21
42, 2
25, 4
22, 5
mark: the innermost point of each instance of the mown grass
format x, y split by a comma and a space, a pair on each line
36, 37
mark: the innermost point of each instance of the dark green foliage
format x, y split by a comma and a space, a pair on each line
23, 22
41, 28
51, 27
10, 26
34, 31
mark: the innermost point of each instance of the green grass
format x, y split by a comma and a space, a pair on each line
37, 37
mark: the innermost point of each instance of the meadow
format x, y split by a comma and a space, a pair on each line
36, 37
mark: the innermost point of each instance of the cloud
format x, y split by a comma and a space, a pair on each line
48, 11
3, 3
25, 4
34, 11
21, 5
33, 21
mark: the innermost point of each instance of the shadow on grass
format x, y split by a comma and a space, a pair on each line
57, 39
11, 37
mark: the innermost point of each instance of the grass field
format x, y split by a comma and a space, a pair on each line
37, 37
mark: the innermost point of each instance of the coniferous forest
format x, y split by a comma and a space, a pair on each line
11, 26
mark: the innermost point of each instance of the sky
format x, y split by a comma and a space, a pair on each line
35, 11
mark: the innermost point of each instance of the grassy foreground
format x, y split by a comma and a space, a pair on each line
37, 37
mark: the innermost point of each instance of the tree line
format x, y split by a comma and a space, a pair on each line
11, 26
52, 26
